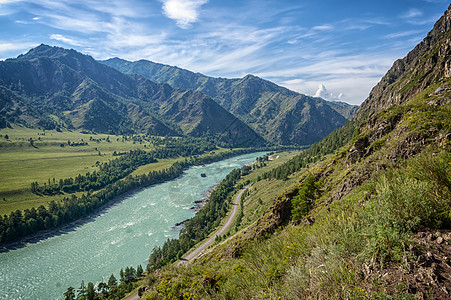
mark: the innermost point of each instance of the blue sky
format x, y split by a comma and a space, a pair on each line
335, 49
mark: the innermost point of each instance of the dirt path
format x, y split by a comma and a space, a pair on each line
198, 251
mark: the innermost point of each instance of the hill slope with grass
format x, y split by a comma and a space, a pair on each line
364, 213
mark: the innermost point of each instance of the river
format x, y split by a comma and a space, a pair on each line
122, 235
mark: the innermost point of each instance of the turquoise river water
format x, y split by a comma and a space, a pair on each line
122, 235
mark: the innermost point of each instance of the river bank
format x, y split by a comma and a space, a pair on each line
42, 235
121, 236
119, 191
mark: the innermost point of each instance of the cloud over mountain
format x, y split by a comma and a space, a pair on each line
184, 12
324, 93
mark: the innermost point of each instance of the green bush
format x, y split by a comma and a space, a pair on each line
302, 203
407, 200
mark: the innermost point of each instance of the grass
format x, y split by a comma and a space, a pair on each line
21, 163
260, 195
326, 259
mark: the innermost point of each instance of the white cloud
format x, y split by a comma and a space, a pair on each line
324, 93
415, 17
184, 12
59, 37
8, 1
403, 34
325, 27
352, 93
14, 46
10, 49
412, 13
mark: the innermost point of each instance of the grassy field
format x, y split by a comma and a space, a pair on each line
49, 156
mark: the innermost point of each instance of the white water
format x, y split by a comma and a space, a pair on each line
121, 236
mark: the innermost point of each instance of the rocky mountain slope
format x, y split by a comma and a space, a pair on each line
52, 87
278, 114
368, 214
425, 65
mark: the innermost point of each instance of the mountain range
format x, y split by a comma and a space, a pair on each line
276, 113
55, 88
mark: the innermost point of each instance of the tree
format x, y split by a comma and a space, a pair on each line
112, 281
69, 294
121, 273
102, 287
304, 200
139, 270
129, 274
90, 293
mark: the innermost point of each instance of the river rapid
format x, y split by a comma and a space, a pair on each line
122, 235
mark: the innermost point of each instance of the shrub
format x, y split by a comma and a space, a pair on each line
304, 200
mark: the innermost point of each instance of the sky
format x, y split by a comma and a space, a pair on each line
337, 50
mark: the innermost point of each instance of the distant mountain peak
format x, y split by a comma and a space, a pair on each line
47, 51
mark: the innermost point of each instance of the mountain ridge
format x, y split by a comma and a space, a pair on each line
420, 68
84, 94
261, 104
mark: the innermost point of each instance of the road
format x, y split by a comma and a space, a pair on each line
198, 251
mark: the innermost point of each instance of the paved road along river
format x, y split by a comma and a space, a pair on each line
123, 235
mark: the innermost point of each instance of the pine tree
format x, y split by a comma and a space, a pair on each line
112, 281
81, 290
90, 293
121, 273
139, 270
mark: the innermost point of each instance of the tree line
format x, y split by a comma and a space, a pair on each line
107, 290
337, 139
125, 164
108, 173
30, 221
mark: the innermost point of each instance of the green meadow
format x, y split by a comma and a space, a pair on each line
48, 155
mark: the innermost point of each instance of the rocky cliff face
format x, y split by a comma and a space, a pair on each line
428, 63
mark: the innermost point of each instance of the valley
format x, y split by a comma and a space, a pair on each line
51, 157
134, 179
114, 238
